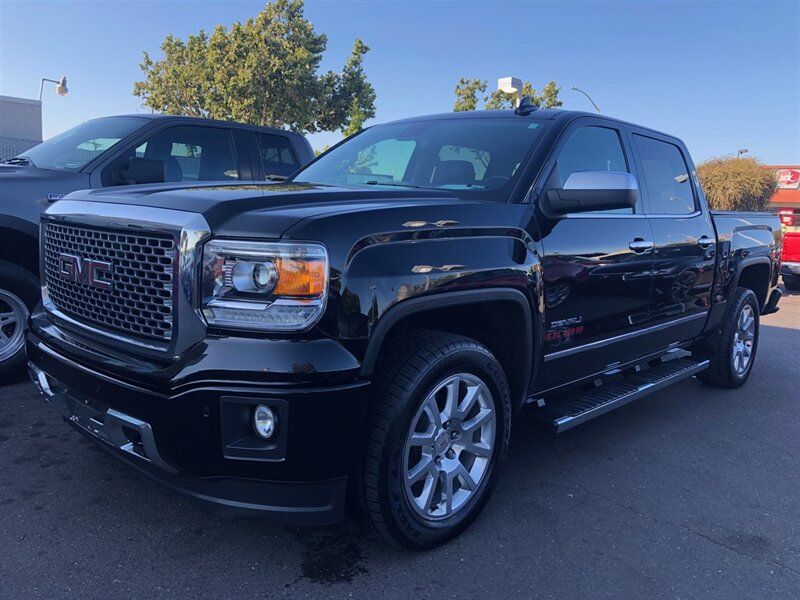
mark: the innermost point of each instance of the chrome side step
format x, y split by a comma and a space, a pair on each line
561, 415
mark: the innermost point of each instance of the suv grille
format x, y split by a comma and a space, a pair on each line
139, 301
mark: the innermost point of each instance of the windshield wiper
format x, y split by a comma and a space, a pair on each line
398, 184
19, 160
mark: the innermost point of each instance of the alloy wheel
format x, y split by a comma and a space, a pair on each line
743, 338
13, 315
449, 446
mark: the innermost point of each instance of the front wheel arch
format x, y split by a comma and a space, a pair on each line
499, 318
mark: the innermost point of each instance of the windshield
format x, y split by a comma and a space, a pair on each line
479, 157
71, 150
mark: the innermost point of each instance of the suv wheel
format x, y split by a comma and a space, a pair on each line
732, 351
19, 292
438, 435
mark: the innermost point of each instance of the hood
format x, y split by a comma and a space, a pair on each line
26, 191
27, 173
262, 209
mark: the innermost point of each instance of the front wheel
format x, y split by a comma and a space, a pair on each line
19, 292
732, 350
438, 435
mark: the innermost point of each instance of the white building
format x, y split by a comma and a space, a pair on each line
20, 125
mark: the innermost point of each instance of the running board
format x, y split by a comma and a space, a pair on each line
560, 415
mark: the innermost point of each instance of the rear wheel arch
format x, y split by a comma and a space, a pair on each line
499, 318
755, 275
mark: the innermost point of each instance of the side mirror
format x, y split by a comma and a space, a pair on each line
586, 191
145, 170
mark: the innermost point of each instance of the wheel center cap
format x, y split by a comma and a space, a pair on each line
442, 443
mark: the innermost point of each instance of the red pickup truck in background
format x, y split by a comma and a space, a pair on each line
786, 203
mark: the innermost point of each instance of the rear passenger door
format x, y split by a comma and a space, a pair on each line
596, 265
684, 236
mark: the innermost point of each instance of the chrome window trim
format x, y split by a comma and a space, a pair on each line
189, 230
605, 216
622, 337
590, 215
690, 215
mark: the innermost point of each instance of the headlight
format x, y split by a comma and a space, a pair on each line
274, 286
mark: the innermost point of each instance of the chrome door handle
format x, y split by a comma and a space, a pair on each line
640, 245
705, 241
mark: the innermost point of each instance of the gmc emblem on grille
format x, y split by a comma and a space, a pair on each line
96, 273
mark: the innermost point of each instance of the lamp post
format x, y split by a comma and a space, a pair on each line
577, 89
61, 86
741, 151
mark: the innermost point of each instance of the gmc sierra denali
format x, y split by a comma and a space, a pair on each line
370, 326
114, 151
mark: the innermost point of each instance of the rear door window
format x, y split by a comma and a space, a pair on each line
276, 154
669, 187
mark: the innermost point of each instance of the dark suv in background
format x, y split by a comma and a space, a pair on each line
115, 151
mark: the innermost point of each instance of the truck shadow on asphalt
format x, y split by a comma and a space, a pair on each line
63, 486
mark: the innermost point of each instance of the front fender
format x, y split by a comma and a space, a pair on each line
386, 272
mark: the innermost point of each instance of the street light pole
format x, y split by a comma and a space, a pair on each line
741, 151
61, 86
577, 89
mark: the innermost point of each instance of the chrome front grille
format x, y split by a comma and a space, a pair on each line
135, 298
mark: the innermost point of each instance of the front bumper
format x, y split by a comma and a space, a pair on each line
792, 269
191, 440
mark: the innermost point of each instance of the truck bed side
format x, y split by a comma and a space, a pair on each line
748, 252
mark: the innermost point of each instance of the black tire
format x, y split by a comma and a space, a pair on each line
792, 283
409, 369
722, 371
20, 288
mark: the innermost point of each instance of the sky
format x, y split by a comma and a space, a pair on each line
721, 76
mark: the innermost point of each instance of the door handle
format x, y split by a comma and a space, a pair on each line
704, 241
640, 245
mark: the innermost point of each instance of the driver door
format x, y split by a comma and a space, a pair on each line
597, 266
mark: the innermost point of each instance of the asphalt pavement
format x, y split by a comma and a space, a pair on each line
693, 492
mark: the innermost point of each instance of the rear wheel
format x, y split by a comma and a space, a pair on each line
437, 438
732, 351
19, 293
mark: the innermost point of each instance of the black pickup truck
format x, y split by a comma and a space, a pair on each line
114, 151
370, 326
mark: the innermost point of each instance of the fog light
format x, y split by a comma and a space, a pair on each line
264, 421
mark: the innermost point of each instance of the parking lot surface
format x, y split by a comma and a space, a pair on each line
693, 492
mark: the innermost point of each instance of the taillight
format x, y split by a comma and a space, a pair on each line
786, 215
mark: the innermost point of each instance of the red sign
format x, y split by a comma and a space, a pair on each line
788, 179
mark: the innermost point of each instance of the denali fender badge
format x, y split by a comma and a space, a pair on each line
96, 273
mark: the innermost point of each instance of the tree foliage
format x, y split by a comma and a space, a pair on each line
736, 183
263, 71
468, 91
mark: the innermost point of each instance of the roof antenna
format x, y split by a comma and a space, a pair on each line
525, 107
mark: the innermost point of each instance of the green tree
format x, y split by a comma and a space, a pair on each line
355, 87
467, 92
736, 183
263, 71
